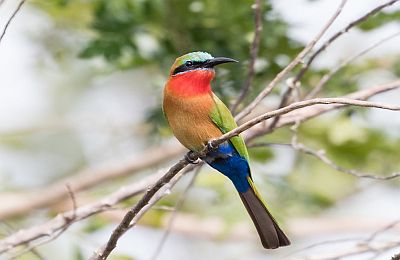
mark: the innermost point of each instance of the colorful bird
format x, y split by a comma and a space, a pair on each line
196, 116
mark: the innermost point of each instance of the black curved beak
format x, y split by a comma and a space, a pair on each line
218, 60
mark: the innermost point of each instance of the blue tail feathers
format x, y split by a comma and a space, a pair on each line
228, 161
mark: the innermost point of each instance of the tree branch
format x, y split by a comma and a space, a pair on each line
13, 204
17, 204
321, 155
318, 87
177, 207
295, 83
362, 246
305, 109
299, 105
11, 18
62, 221
340, 33
139, 209
53, 226
292, 65
105, 250
69, 220
255, 46
310, 112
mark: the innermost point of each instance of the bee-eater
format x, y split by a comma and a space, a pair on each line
196, 116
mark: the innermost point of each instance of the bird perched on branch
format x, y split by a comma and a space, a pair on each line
196, 116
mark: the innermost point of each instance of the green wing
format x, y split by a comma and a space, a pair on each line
222, 117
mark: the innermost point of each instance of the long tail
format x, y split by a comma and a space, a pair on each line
270, 233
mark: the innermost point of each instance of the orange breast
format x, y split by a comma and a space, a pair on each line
189, 119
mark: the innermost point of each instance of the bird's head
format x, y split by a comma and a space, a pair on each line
197, 61
192, 73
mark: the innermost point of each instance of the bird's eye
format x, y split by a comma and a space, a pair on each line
189, 63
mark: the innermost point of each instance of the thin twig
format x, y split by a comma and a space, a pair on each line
382, 230
146, 204
321, 155
177, 207
11, 18
53, 226
16, 204
363, 249
322, 243
296, 81
131, 217
318, 87
105, 251
69, 220
255, 46
10, 229
310, 112
363, 245
87, 178
299, 58
338, 34
73, 199
299, 105
165, 190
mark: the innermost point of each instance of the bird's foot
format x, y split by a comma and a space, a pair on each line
211, 146
191, 158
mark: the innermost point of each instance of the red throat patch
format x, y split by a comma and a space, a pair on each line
191, 83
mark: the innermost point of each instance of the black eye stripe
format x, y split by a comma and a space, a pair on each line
189, 65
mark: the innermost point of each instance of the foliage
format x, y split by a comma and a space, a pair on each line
131, 34
135, 33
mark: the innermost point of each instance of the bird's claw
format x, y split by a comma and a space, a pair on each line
211, 146
191, 158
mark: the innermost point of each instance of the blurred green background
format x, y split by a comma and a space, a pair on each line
83, 84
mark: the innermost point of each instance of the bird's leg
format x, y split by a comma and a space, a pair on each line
191, 158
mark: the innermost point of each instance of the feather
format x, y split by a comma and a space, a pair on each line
268, 229
196, 116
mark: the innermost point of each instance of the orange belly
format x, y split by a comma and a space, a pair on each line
189, 119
